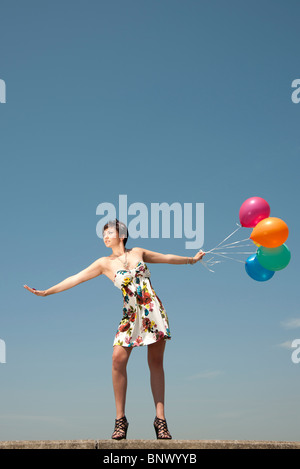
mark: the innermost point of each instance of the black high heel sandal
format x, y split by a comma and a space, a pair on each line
121, 427
161, 429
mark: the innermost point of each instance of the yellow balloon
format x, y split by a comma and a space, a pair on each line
270, 232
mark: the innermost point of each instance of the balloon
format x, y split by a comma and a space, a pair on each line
274, 258
256, 244
253, 210
256, 271
270, 232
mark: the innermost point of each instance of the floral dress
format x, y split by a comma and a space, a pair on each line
144, 320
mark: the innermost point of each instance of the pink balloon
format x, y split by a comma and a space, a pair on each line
253, 210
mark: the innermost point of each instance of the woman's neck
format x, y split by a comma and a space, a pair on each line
119, 250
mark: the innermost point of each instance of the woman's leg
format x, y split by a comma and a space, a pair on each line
119, 377
157, 376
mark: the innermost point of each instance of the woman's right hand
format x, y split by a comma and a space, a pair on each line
36, 292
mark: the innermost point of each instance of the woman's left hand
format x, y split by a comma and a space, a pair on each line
198, 256
35, 291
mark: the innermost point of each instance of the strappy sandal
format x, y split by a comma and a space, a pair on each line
121, 427
161, 429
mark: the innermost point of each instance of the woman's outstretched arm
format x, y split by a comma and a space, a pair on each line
92, 271
157, 257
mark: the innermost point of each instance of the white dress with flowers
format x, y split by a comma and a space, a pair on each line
144, 320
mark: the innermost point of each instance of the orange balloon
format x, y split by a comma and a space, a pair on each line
256, 244
270, 232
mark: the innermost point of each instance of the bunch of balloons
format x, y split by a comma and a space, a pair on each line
269, 235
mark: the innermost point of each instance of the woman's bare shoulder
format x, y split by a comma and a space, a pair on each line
105, 261
138, 251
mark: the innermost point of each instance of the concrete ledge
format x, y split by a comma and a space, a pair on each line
149, 444
195, 444
48, 444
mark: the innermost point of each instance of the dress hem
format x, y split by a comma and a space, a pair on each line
166, 337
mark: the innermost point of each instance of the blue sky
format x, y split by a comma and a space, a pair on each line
172, 101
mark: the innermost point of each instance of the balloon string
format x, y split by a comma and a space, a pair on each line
209, 263
243, 252
227, 257
234, 247
227, 237
236, 242
206, 265
224, 254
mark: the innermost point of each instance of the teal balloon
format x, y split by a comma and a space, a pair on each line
256, 271
274, 258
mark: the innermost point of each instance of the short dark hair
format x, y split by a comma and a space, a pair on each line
119, 226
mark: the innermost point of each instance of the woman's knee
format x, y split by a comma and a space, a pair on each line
156, 356
119, 358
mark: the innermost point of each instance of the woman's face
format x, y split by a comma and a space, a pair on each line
111, 237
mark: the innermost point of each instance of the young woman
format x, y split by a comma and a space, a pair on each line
144, 320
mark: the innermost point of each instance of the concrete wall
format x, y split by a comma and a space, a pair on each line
148, 444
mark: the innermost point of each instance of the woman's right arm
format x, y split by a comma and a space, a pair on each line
92, 271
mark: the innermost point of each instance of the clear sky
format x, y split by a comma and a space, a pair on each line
162, 101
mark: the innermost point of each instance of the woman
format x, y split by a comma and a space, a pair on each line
144, 320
